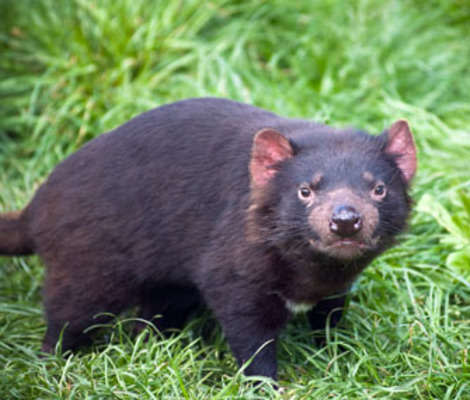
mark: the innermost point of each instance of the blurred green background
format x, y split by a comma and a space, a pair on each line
72, 69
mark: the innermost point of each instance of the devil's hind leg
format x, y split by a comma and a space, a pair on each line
75, 302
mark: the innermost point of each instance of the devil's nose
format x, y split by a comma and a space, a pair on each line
345, 221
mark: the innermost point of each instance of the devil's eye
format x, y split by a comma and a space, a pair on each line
379, 191
305, 192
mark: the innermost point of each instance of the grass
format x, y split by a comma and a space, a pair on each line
71, 70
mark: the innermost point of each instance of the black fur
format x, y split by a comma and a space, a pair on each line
162, 213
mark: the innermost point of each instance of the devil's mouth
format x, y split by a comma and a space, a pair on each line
340, 243
348, 243
341, 247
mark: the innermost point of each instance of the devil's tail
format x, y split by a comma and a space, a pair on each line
14, 238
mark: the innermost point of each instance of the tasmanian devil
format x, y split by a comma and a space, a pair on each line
210, 201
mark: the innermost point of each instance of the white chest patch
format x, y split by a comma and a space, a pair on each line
296, 308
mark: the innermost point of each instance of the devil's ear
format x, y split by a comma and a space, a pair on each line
269, 149
400, 144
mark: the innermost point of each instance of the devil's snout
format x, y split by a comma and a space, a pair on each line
345, 221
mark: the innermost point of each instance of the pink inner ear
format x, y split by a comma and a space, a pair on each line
401, 144
269, 148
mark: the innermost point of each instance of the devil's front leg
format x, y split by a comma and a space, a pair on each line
251, 322
329, 309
